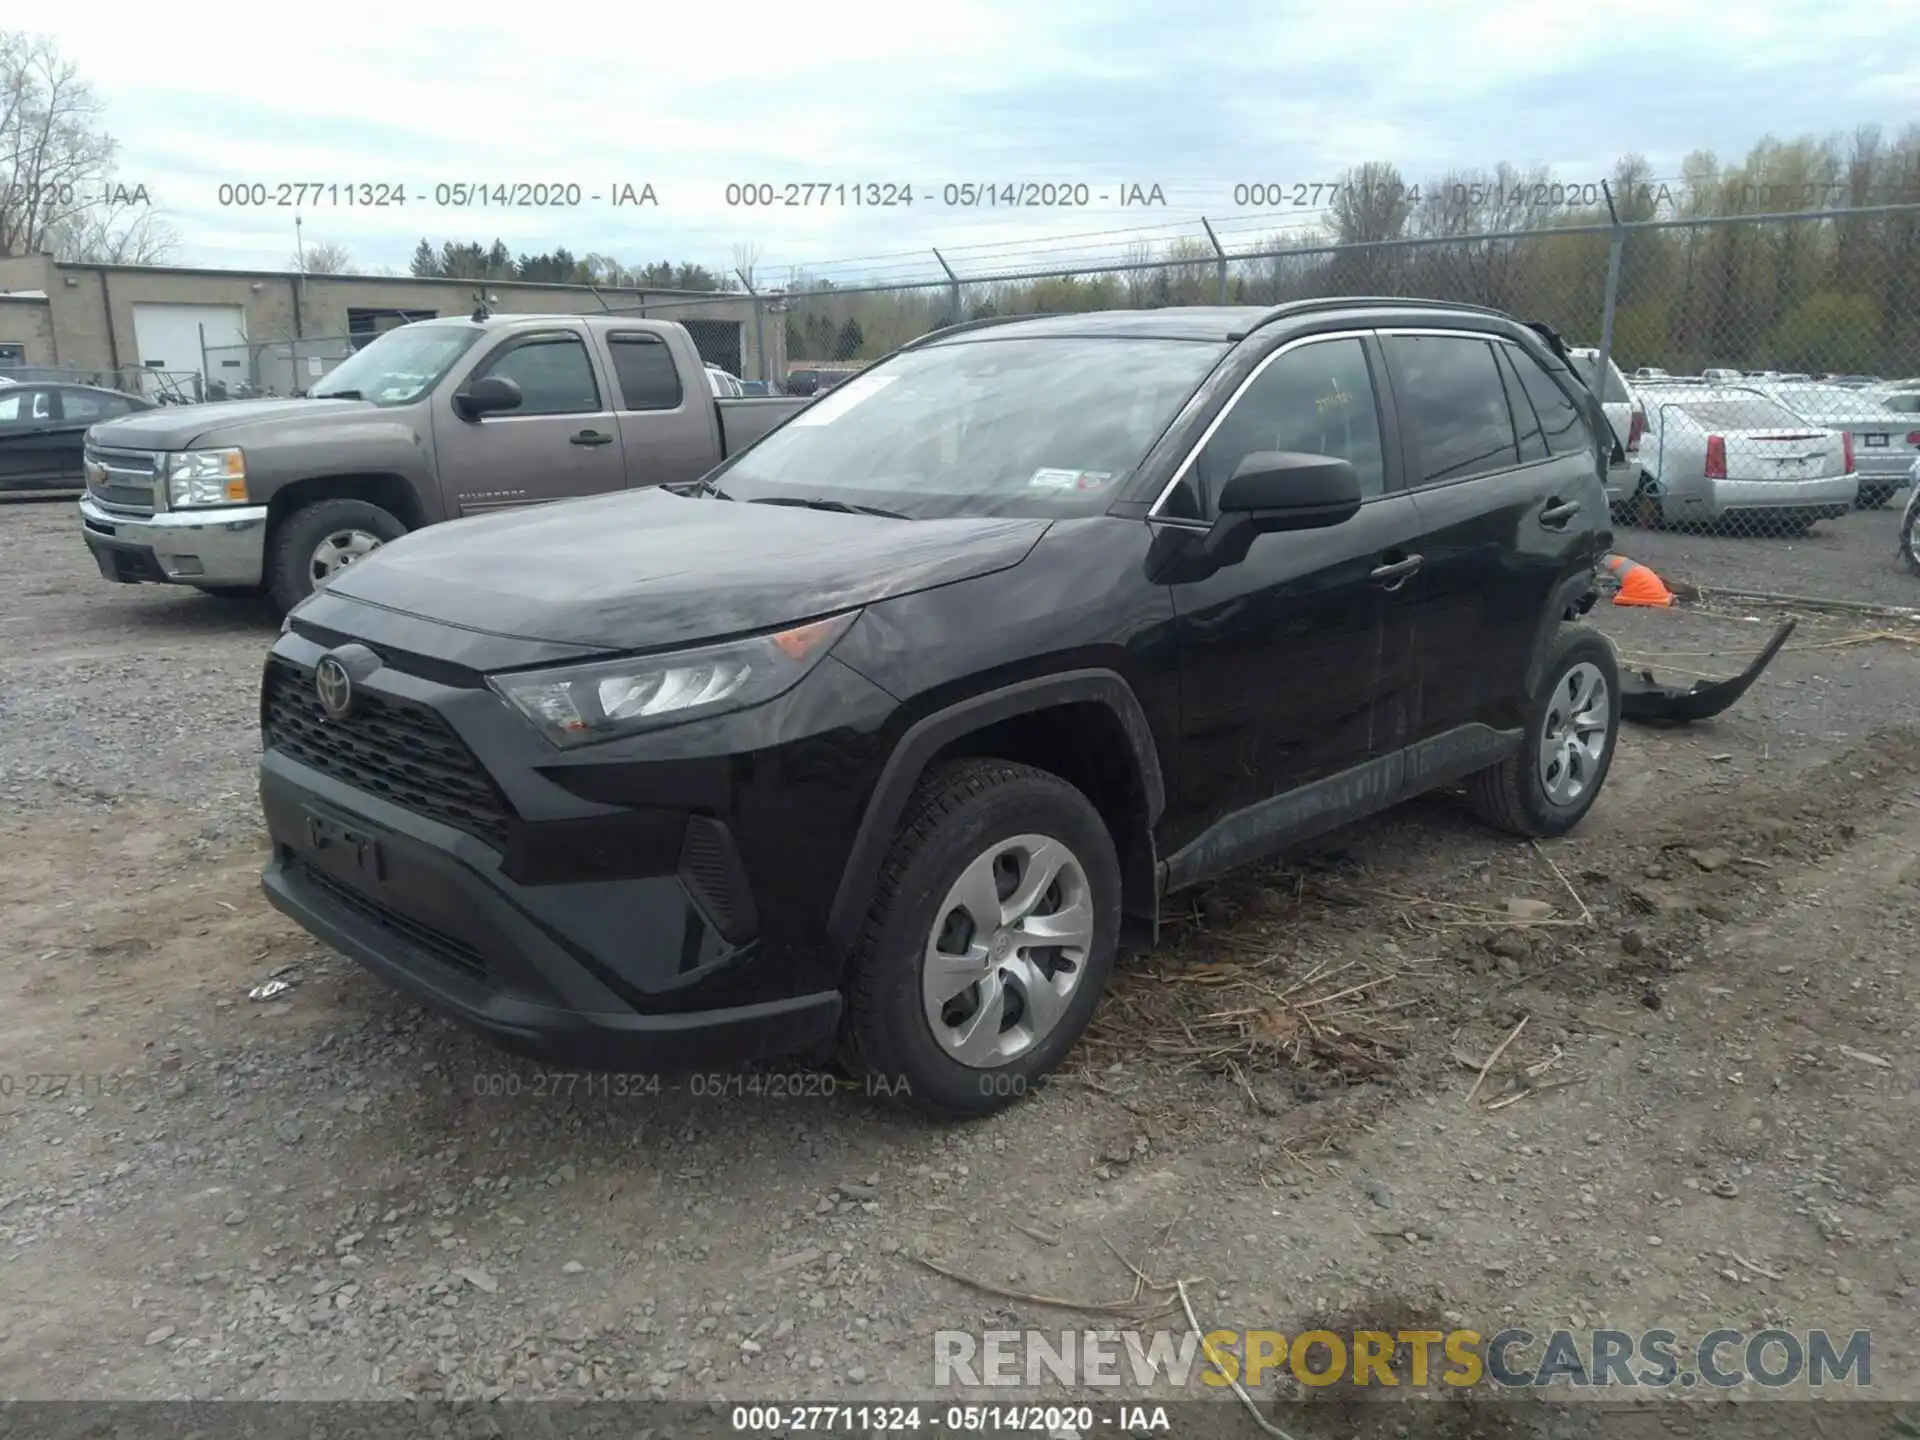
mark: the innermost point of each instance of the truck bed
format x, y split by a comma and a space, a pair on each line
744, 421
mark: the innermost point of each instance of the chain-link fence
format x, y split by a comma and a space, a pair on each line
273, 367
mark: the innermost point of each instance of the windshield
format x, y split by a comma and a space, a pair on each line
1616, 387
1744, 412
399, 367
1814, 401
1033, 427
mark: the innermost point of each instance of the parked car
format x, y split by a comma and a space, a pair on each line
1720, 375
1885, 441
43, 432
760, 389
876, 738
1901, 402
432, 421
725, 384
1626, 416
1851, 382
1735, 455
815, 381
1650, 372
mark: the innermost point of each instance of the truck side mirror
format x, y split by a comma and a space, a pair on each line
486, 396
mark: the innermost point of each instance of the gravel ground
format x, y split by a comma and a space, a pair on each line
1855, 558
336, 1195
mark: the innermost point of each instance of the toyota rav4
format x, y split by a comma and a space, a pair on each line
875, 741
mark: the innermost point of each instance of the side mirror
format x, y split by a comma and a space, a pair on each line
486, 396
1274, 490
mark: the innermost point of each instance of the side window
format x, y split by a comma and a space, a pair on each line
25, 405
1565, 426
85, 405
1318, 398
1526, 424
1449, 390
553, 373
644, 366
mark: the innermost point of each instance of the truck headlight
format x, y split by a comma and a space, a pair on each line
585, 703
206, 477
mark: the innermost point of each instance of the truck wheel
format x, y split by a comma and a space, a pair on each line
314, 543
1910, 537
989, 942
1547, 786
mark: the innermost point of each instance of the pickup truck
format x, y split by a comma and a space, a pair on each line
436, 420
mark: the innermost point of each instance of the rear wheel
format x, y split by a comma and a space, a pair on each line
1872, 497
316, 542
1547, 786
1648, 512
1910, 536
989, 942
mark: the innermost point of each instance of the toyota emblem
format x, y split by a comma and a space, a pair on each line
334, 686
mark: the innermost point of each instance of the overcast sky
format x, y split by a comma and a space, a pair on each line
1194, 98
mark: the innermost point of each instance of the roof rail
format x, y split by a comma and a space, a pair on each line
1290, 308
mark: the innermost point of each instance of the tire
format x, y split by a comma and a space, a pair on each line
957, 821
1514, 795
1910, 537
296, 539
1873, 497
1648, 511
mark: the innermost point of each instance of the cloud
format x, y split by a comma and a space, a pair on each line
1100, 93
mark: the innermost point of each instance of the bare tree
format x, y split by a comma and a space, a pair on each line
54, 157
745, 258
108, 234
325, 258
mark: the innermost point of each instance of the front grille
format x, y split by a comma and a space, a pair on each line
123, 480
399, 751
437, 943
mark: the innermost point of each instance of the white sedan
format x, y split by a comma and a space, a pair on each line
1732, 454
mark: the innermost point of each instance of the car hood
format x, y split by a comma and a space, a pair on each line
651, 570
220, 422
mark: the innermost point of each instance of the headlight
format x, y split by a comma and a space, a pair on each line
206, 477
585, 703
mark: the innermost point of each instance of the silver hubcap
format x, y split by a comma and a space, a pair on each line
1575, 735
1913, 540
1007, 951
339, 550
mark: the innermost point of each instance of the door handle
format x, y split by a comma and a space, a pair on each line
591, 437
1558, 512
1396, 573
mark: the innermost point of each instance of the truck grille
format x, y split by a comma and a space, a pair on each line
404, 753
123, 480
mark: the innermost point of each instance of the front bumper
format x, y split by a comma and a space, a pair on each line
182, 547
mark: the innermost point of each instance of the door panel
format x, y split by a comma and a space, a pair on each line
669, 433
1284, 661
1497, 533
562, 442
38, 450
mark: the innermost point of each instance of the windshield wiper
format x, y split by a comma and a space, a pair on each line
709, 488
839, 507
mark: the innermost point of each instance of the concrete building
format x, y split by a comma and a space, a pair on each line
279, 330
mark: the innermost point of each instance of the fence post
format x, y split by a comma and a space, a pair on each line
1616, 242
204, 365
1220, 251
953, 288
759, 324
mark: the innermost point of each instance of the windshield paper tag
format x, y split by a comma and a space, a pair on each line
1049, 479
1054, 479
836, 402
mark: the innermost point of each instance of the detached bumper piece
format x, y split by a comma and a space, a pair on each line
1645, 700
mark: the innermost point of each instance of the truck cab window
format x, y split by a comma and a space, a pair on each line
553, 373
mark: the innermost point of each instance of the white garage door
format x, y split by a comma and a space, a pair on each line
168, 337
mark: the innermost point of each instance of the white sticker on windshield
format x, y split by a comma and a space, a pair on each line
1054, 479
837, 402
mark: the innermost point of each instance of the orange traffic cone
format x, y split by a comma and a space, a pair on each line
1638, 584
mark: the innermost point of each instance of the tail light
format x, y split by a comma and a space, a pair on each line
1846, 449
1716, 457
1637, 428
1913, 438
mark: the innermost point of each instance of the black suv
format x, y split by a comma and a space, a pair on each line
873, 742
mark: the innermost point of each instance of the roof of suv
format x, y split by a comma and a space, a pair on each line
1195, 322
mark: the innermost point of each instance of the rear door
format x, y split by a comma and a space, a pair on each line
1284, 670
1500, 461
669, 430
561, 442
36, 451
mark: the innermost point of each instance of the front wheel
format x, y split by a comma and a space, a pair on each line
1547, 786
1910, 535
316, 542
989, 942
